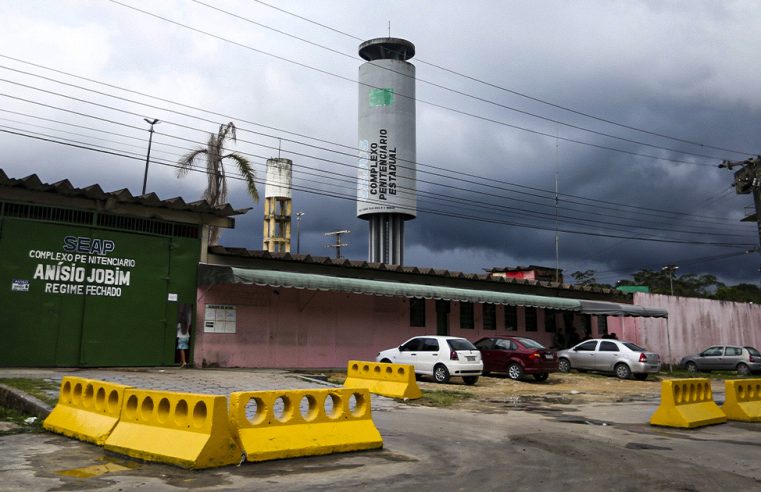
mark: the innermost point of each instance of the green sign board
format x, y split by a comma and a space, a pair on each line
84, 296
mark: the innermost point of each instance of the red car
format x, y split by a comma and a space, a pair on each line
517, 356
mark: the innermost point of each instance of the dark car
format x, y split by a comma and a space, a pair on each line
744, 360
517, 356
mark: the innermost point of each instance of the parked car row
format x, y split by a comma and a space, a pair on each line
443, 357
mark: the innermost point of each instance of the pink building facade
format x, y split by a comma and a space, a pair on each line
693, 324
283, 326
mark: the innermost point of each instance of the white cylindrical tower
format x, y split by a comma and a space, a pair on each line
277, 206
386, 175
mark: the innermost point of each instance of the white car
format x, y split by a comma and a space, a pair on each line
437, 356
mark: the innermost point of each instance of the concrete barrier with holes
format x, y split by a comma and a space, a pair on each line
270, 425
87, 409
392, 380
743, 400
687, 403
185, 429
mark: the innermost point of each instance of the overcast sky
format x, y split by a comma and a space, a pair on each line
659, 93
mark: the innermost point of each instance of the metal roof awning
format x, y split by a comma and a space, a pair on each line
274, 278
599, 308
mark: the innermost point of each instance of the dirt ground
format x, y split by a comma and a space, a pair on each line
496, 391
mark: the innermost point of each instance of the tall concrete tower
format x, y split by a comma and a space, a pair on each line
277, 206
386, 175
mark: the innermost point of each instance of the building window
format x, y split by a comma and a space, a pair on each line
550, 322
530, 313
219, 319
490, 316
466, 315
602, 325
511, 318
417, 312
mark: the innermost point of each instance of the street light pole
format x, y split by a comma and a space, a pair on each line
670, 269
148, 157
298, 232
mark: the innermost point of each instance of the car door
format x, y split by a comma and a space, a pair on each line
408, 352
732, 356
608, 353
487, 346
504, 353
710, 358
583, 355
428, 355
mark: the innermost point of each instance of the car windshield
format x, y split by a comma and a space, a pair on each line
634, 347
752, 351
531, 343
460, 344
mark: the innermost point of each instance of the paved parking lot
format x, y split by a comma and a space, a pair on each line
576, 445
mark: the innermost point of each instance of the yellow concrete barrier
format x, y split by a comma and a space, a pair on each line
270, 425
687, 403
743, 400
87, 409
394, 380
184, 429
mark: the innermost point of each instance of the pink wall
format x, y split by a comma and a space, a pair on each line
293, 328
693, 325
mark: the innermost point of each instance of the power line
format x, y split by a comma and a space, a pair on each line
514, 92
490, 184
430, 103
434, 212
351, 166
455, 91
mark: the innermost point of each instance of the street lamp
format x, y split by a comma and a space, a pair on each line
298, 232
670, 269
148, 157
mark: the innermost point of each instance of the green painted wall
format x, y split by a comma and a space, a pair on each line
123, 290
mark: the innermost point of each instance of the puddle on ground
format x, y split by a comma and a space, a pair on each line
93, 470
640, 445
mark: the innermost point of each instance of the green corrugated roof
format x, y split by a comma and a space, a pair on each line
310, 281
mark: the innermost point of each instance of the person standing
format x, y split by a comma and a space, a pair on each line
183, 343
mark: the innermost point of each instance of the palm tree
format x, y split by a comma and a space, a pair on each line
216, 190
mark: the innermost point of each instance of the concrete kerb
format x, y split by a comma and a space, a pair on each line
20, 401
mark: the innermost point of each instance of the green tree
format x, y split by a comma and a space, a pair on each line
739, 293
687, 285
216, 154
587, 279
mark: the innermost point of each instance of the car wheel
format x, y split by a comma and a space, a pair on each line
692, 367
640, 376
385, 361
743, 370
485, 373
470, 380
542, 376
623, 371
564, 365
515, 371
441, 374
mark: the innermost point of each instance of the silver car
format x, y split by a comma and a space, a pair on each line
744, 360
625, 359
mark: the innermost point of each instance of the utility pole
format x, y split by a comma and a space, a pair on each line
748, 180
670, 269
298, 231
338, 244
148, 157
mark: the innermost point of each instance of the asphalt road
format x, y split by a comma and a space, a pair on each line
537, 447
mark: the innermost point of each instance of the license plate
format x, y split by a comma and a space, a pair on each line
470, 357
548, 356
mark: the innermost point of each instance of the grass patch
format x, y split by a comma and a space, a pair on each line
441, 398
18, 418
42, 389
721, 375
